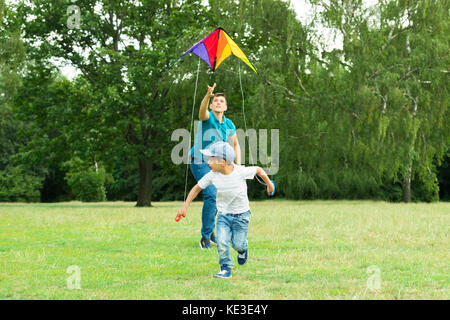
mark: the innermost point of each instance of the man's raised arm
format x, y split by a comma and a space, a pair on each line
203, 113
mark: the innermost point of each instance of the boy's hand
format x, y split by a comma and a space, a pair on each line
210, 92
270, 188
181, 213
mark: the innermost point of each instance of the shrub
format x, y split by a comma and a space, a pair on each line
87, 185
18, 186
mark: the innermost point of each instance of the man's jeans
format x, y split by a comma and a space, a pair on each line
231, 228
209, 199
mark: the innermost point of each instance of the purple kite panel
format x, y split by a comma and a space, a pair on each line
200, 50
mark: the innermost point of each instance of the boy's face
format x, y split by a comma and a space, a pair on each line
219, 104
216, 164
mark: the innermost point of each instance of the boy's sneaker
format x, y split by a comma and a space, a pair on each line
242, 257
213, 238
224, 274
205, 244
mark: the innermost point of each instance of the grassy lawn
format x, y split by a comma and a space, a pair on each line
298, 250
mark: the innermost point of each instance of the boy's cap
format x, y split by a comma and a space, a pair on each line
220, 149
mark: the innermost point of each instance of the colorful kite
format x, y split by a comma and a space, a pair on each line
216, 47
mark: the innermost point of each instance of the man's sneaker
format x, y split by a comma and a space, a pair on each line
224, 274
205, 244
213, 238
242, 257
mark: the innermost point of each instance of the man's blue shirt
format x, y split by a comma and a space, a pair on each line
210, 131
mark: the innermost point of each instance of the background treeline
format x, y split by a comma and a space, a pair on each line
369, 120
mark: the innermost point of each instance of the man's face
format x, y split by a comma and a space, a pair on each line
219, 104
216, 163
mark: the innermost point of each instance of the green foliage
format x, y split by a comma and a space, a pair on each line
124, 181
18, 186
353, 121
297, 185
88, 185
425, 187
17, 183
133, 108
369, 113
12, 54
391, 191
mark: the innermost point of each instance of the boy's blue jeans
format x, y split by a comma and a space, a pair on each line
231, 229
209, 209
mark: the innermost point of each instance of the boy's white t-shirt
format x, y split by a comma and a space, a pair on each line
231, 188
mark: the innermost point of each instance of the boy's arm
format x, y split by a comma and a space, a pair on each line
270, 187
191, 196
203, 113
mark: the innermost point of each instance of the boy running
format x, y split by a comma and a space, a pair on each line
232, 202
213, 126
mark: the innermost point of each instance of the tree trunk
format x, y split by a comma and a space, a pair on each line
145, 183
407, 186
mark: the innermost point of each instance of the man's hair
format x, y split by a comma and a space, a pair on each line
220, 94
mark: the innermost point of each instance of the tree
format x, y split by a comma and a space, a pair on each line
49, 106
396, 56
16, 182
121, 48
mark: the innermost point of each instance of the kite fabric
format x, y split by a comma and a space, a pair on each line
216, 47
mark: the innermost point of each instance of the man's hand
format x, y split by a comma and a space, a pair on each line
210, 92
203, 113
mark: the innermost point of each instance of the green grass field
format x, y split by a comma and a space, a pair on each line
298, 250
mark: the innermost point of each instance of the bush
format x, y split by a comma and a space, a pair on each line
18, 186
88, 185
356, 185
425, 188
298, 185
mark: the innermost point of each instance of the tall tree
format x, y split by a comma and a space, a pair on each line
12, 54
16, 183
396, 53
121, 48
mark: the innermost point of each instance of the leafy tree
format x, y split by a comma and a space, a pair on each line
16, 182
44, 102
391, 80
120, 47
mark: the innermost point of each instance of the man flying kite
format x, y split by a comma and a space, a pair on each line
213, 125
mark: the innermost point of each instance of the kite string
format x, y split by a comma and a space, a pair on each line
245, 124
190, 131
